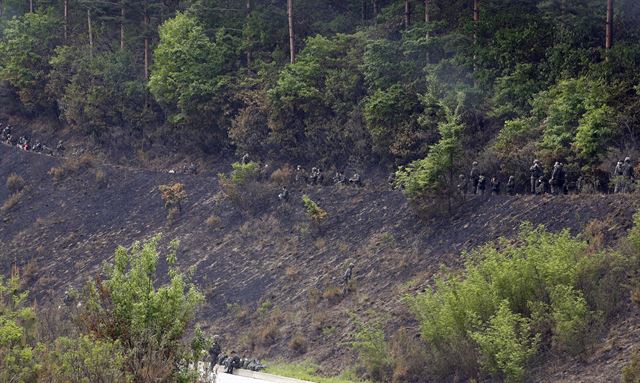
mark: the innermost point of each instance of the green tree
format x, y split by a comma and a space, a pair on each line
190, 77
102, 93
148, 321
433, 176
27, 44
18, 346
313, 108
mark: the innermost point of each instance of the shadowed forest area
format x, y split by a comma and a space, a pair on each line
157, 100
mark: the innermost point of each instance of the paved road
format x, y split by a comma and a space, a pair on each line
228, 378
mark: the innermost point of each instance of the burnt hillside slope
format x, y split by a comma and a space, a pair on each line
269, 275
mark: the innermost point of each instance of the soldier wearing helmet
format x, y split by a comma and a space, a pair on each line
536, 172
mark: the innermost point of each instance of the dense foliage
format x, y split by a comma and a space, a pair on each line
514, 299
125, 328
370, 82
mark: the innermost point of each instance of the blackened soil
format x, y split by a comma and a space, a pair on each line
266, 270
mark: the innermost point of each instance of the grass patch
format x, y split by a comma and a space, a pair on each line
213, 221
11, 201
15, 183
307, 371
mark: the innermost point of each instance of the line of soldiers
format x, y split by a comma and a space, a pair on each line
623, 180
24, 143
316, 177
623, 177
233, 360
479, 183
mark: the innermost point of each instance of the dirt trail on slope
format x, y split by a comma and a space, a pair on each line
270, 257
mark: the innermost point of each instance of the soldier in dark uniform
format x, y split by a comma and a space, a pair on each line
628, 175
540, 185
192, 169
346, 278
245, 159
232, 362
474, 177
313, 177
482, 185
617, 177
284, 194
557, 179
355, 180
511, 186
301, 176
215, 350
462, 184
536, 171
495, 185
6, 132
60, 148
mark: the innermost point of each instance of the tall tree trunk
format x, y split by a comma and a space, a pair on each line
147, 21
608, 43
375, 8
249, 9
66, 19
1, 8
476, 18
407, 14
364, 10
122, 19
292, 39
427, 16
30, 6
90, 32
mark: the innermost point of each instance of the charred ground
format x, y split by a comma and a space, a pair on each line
270, 276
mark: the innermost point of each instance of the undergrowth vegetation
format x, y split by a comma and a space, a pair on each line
514, 300
172, 196
124, 328
307, 371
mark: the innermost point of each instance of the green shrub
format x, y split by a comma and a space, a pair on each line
506, 343
369, 342
539, 283
149, 319
84, 359
571, 319
631, 371
243, 173
18, 347
172, 196
315, 212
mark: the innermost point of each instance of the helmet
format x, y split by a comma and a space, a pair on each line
351, 265
475, 163
628, 159
216, 337
536, 161
557, 164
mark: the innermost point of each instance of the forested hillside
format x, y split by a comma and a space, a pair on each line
336, 82
447, 286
